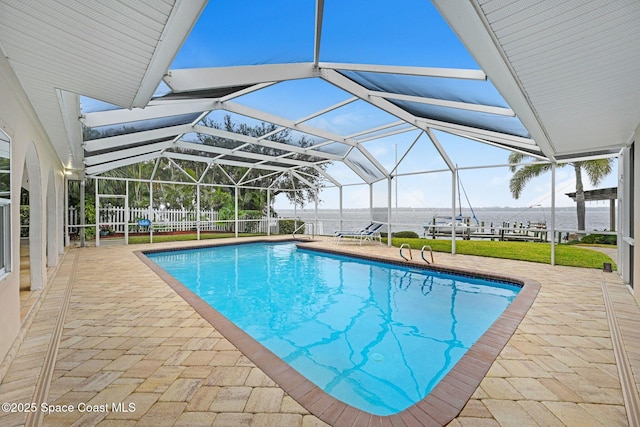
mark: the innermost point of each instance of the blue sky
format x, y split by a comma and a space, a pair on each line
403, 32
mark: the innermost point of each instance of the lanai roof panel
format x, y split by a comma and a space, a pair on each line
249, 34
402, 32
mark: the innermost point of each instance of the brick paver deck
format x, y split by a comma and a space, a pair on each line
130, 351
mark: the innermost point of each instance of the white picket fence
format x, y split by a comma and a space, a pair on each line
114, 218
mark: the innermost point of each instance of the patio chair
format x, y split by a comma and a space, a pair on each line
355, 232
370, 233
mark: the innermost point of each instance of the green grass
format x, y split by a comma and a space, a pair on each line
568, 255
161, 238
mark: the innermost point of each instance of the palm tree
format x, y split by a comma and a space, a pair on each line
596, 170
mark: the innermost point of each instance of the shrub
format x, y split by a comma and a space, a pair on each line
24, 221
287, 226
600, 239
406, 235
401, 235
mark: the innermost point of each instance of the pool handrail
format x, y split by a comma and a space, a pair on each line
297, 229
422, 254
406, 245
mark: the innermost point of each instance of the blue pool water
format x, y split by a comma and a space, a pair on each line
376, 336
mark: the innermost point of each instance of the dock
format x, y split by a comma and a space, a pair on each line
518, 232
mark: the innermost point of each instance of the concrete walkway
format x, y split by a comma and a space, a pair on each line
113, 345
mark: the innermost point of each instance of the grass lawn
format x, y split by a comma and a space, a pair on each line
568, 255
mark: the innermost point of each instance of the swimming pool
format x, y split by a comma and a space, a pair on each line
374, 335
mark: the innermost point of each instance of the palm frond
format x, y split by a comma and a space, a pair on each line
525, 174
598, 169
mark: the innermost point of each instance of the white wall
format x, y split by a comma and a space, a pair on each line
20, 122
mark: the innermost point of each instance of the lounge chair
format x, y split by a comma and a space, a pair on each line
351, 233
370, 233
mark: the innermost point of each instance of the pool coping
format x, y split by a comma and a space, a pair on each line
439, 407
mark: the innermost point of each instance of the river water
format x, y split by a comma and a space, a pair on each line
597, 218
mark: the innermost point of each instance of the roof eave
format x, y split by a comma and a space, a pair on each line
471, 27
182, 19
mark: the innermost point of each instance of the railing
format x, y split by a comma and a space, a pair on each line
171, 220
298, 229
406, 245
422, 253
425, 247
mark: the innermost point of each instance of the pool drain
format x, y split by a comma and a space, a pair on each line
377, 357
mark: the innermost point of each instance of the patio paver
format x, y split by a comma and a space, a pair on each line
131, 343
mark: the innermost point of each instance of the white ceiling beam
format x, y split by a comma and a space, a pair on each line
261, 177
70, 110
193, 158
471, 27
453, 73
204, 173
275, 181
133, 138
322, 144
104, 167
446, 103
327, 175
265, 143
181, 169
303, 179
469, 132
373, 160
357, 171
251, 165
155, 168
352, 87
387, 134
273, 132
178, 26
245, 91
155, 110
415, 141
440, 148
255, 156
256, 114
318, 30
525, 151
229, 177
193, 79
129, 152
280, 121
326, 110
377, 129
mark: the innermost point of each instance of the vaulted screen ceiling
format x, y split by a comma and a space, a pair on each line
408, 98
417, 94
568, 68
315, 62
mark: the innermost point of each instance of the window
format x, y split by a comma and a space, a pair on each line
5, 203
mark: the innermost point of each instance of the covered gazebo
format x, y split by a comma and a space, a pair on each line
610, 194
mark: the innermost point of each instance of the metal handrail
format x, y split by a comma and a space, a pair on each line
296, 230
430, 251
410, 254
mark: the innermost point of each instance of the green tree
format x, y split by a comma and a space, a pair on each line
596, 171
301, 195
184, 196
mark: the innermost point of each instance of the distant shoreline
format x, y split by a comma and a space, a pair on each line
493, 208
414, 219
